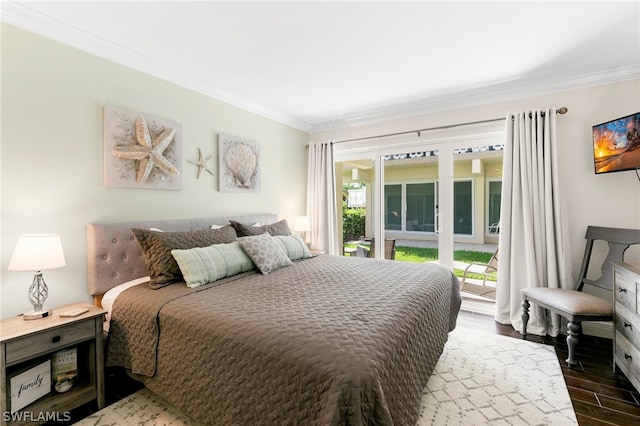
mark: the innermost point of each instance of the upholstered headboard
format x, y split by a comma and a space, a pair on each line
114, 255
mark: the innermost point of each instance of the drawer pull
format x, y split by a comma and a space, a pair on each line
622, 290
626, 324
627, 356
55, 339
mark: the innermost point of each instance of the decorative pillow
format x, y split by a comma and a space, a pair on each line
293, 246
265, 252
203, 265
278, 228
157, 246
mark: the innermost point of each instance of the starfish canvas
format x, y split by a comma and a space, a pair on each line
239, 164
141, 151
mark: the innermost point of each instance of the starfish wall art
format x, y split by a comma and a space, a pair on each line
141, 151
202, 163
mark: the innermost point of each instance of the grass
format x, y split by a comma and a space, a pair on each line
424, 254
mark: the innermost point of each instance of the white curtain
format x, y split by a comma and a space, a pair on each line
321, 198
534, 250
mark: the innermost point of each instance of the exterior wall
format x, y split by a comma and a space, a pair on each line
429, 173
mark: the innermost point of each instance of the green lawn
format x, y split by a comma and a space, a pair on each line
422, 254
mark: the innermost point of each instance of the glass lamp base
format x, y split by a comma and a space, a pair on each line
32, 315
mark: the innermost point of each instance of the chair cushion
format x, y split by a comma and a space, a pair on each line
570, 301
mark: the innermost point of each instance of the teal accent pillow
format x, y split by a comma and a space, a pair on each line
294, 246
203, 265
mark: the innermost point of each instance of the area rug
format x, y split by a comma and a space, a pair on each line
480, 379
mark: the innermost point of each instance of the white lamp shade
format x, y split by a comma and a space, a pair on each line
37, 252
302, 224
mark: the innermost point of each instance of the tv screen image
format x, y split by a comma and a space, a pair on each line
616, 144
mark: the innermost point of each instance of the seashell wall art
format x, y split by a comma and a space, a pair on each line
141, 151
239, 164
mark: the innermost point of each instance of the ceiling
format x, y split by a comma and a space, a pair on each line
326, 65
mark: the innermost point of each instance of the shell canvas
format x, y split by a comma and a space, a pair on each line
239, 164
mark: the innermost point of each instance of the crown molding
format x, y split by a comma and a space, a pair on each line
513, 90
21, 15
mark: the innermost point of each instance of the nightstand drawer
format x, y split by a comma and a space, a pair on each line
48, 340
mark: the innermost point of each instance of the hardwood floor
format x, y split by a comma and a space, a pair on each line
599, 396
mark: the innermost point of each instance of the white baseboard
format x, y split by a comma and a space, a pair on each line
472, 304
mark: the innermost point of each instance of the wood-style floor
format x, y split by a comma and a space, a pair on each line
599, 396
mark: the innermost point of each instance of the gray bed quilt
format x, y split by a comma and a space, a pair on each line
328, 341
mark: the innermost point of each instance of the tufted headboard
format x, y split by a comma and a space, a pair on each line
114, 255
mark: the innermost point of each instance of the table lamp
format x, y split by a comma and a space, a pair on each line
36, 253
302, 224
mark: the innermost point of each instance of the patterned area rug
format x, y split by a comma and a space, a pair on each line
481, 379
484, 379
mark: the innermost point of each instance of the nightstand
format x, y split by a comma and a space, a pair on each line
29, 345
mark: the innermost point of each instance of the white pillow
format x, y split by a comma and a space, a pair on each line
110, 296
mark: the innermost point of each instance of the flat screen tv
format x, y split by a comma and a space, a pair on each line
616, 144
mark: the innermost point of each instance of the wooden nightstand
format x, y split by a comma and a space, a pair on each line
25, 344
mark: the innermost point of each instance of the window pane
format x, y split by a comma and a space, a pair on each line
421, 207
495, 198
393, 207
462, 208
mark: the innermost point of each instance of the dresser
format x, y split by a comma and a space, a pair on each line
626, 342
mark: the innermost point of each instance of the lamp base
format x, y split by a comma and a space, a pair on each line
33, 315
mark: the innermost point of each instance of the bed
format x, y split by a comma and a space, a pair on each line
325, 340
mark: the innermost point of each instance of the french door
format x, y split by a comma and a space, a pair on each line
429, 191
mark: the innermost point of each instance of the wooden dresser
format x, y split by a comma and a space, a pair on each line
626, 342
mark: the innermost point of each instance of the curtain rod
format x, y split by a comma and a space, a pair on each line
561, 110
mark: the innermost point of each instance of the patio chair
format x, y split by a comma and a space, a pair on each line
485, 284
389, 249
574, 304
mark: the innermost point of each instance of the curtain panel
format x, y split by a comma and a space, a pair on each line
534, 248
321, 198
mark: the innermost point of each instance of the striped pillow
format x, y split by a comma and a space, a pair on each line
203, 265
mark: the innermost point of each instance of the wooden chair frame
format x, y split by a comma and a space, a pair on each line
575, 305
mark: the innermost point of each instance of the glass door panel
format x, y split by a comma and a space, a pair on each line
393, 207
421, 207
356, 177
462, 207
411, 203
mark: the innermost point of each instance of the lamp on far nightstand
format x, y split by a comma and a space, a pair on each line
302, 224
36, 253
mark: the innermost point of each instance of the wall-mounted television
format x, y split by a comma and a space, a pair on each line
616, 144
